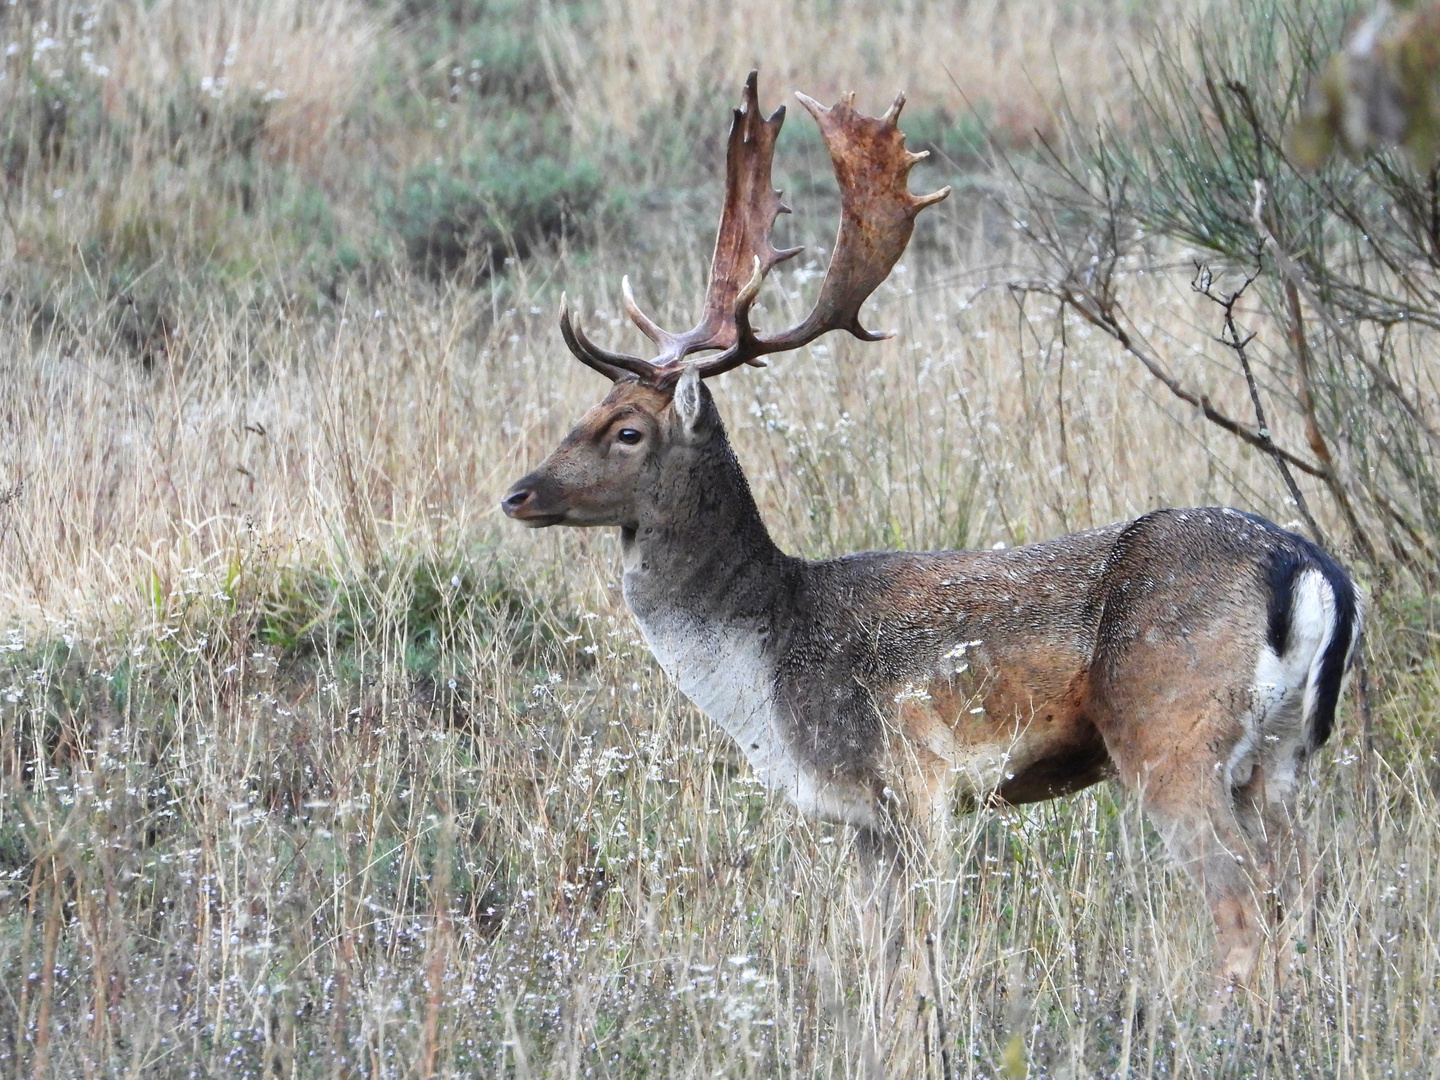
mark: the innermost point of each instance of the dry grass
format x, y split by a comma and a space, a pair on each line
307, 61
298, 66
1005, 60
313, 765
339, 767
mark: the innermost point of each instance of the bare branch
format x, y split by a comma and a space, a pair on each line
1101, 312
1293, 276
1203, 283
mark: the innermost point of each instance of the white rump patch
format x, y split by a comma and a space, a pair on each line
1277, 726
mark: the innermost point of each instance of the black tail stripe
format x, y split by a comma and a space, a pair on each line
1281, 570
1337, 652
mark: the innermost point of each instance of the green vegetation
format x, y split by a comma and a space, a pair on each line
434, 143
481, 213
153, 168
426, 606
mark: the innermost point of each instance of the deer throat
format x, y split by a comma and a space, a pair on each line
724, 669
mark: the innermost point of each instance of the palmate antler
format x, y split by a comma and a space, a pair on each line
877, 216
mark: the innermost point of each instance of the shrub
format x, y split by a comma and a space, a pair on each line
434, 605
477, 213
1345, 259
485, 48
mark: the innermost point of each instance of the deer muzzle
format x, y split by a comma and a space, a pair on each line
535, 501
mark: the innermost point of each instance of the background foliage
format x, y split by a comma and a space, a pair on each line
1344, 260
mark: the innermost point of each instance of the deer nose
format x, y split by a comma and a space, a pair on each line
516, 500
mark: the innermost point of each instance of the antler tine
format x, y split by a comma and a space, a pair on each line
612, 365
877, 216
647, 325
751, 206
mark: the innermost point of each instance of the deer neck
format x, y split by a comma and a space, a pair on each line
706, 583
700, 549
702, 577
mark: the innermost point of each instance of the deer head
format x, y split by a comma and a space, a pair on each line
659, 407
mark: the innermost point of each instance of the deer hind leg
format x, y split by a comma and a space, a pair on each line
1213, 836
1264, 769
1180, 761
1293, 881
1222, 794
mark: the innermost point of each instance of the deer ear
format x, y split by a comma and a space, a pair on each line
689, 402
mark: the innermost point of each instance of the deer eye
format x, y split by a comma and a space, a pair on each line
629, 436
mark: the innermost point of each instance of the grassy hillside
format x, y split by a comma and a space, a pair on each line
311, 764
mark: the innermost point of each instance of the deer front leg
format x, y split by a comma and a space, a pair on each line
875, 895
889, 857
881, 894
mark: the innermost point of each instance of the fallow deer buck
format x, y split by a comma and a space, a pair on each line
1195, 656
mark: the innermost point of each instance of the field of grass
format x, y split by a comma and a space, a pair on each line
312, 764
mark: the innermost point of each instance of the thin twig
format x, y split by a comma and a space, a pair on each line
41, 1061
439, 946
1367, 744
924, 1034
1383, 501
1298, 343
1101, 312
1230, 337
1292, 274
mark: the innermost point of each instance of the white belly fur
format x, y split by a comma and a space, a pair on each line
723, 670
